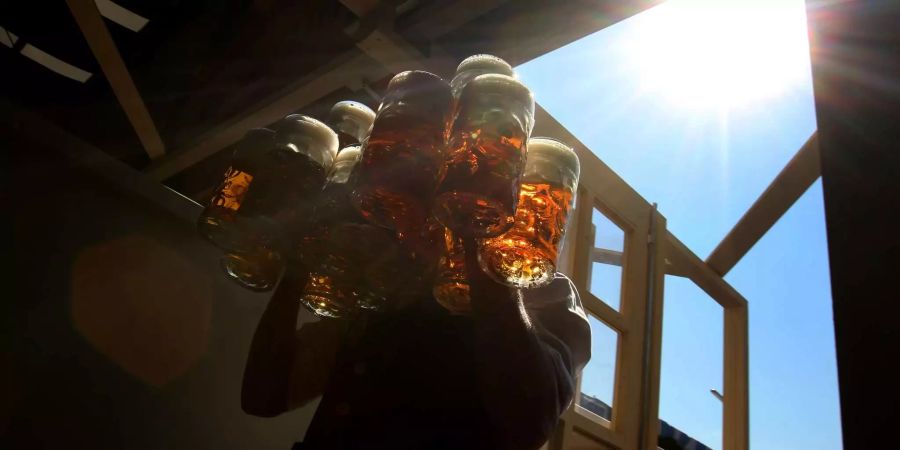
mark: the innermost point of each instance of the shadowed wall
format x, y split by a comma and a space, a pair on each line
120, 331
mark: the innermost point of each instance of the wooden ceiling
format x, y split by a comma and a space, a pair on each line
170, 98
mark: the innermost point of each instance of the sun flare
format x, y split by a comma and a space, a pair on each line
719, 53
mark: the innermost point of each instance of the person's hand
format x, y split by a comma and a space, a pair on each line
486, 295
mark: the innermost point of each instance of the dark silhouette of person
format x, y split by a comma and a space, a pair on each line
421, 378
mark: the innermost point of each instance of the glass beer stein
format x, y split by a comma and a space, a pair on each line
485, 155
526, 255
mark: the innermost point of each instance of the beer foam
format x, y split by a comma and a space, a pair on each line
356, 111
485, 63
344, 163
318, 131
502, 84
414, 76
348, 153
544, 153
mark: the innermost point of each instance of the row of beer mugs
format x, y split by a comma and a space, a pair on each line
377, 206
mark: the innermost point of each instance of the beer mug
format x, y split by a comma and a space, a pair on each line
349, 259
526, 255
347, 279
411, 277
224, 220
257, 269
305, 151
278, 207
451, 285
484, 158
351, 121
394, 182
476, 65
304, 154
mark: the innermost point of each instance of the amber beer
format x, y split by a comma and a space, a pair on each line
352, 122
526, 255
224, 220
395, 179
348, 277
280, 200
229, 220
485, 155
350, 260
451, 285
257, 269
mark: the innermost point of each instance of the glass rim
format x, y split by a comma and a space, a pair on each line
498, 80
348, 152
319, 131
352, 108
485, 61
413, 75
562, 154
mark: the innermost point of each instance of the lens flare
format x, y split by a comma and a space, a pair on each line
719, 53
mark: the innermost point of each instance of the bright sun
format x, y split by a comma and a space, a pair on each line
719, 53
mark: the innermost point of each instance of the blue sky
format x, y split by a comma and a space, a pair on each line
698, 105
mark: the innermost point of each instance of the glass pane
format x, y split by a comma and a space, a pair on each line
598, 378
607, 234
606, 283
691, 365
606, 270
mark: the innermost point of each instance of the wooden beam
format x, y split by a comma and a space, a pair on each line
683, 260
736, 395
126, 178
601, 310
99, 40
678, 271
397, 55
343, 70
581, 242
592, 425
389, 53
382, 45
610, 193
855, 70
452, 15
656, 276
796, 177
606, 256
614, 258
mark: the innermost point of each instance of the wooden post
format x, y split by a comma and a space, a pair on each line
653, 345
97, 35
736, 401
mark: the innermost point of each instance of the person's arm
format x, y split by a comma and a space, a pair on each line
287, 368
527, 363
